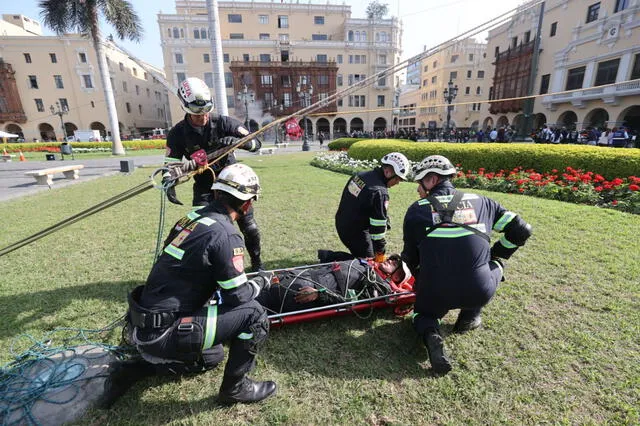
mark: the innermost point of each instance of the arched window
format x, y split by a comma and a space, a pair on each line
357, 35
350, 35
203, 33
176, 33
196, 33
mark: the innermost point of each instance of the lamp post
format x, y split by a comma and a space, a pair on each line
246, 97
275, 108
305, 91
60, 111
450, 93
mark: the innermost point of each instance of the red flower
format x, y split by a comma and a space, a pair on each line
597, 189
520, 189
520, 181
634, 187
614, 203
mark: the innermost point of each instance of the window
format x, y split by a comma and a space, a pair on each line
286, 100
181, 77
285, 80
148, 93
381, 100
137, 90
179, 59
265, 57
453, 75
83, 57
176, 33
478, 90
39, 105
57, 79
426, 68
121, 66
527, 36
283, 21
93, 104
592, 12
139, 109
514, 42
382, 81
134, 70
469, 73
339, 80
497, 51
467, 90
284, 56
319, 37
146, 76
607, 72
357, 101
435, 64
321, 58
236, 36
318, 20
575, 78
339, 59
33, 82
203, 33
263, 19
231, 102
87, 81
245, 57
228, 80
54, 59
234, 18
635, 71
266, 80
544, 84
350, 35
425, 83
206, 58
340, 102
264, 36
323, 80
382, 59
196, 33
124, 86
208, 79
64, 104
283, 37
621, 5
434, 79
470, 57
27, 57
454, 58
480, 74
128, 106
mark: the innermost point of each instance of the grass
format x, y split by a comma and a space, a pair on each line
560, 341
41, 156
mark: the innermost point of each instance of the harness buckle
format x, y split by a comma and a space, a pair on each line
157, 320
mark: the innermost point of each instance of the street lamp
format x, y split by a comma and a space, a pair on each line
449, 95
275, 108
246, 97
60, 111
305, 91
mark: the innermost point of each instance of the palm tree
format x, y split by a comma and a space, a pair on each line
64, 16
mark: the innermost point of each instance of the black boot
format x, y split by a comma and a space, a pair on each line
435, 347
467, 321
121, 376
245, 390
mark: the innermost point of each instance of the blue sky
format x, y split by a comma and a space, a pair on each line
424, 22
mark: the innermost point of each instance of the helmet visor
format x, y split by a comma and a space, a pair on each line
199, 107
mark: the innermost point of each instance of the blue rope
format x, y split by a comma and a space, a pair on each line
34, 376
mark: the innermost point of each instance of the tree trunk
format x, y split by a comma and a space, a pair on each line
116, 144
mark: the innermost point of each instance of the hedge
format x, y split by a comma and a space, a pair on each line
342, 143
609, 162
55, 146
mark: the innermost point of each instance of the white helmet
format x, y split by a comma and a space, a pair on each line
434, 164
238, 180
195, 96
399, 162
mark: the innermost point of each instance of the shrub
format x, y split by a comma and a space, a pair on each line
342, 143
494, 157
84, 146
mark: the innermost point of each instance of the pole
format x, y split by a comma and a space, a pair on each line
527, 123
217, 61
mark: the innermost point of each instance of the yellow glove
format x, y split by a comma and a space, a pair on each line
379, 257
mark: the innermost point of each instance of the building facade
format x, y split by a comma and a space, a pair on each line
40, 73
272, 48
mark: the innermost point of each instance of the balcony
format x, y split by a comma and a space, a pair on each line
610, 95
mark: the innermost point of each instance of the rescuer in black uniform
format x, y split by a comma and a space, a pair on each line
197, 296
321, 285
200, 130
361, 219
446, 246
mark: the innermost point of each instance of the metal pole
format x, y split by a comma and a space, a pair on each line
217, 60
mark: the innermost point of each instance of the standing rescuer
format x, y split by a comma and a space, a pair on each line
361, 219
178, 324
446, 245
202, 130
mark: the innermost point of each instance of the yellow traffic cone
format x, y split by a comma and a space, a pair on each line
22, 157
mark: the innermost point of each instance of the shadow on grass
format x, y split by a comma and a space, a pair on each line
20, 311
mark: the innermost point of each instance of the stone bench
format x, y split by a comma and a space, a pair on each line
45, 176
282, 144
6, 158
268, 150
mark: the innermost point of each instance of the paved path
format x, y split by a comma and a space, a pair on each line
14, 183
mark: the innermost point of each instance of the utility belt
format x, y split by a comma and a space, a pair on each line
145, 318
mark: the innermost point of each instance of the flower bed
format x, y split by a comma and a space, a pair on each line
572, 185
83, 146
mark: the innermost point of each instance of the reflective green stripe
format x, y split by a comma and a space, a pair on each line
174, 251
413, 317
376, 237
196, 208
171, 160
423, 202
233, 282
450, 232
504, 221
507, 243
206, 221
193, 215
377, 222
210, 327
245, 336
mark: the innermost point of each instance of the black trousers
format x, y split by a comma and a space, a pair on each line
357, 241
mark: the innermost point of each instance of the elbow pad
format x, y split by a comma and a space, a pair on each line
518, 231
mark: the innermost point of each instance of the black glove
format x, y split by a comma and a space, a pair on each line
263, 279
228, 140
170, 184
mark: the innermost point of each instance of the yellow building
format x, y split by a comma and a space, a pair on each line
42, 72
279, 44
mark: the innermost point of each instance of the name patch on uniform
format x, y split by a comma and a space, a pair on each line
238, 251
180, 237
355, 186
238, 263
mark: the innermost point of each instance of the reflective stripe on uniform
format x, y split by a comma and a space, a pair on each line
504, 221
196, 208
245, 336
376, 237
455, 232
233, 282
193, 215
508, 244
174, 251
206, 221
377, 222
423, 202
210, 327
171, 160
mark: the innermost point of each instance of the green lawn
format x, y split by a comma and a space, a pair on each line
560, 341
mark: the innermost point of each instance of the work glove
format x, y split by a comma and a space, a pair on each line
263, 279
379, 257
170, 184
228, 140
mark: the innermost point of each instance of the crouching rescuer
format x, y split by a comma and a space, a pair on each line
447, 246
197, 296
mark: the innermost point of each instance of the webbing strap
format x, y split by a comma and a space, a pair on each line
446, 215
